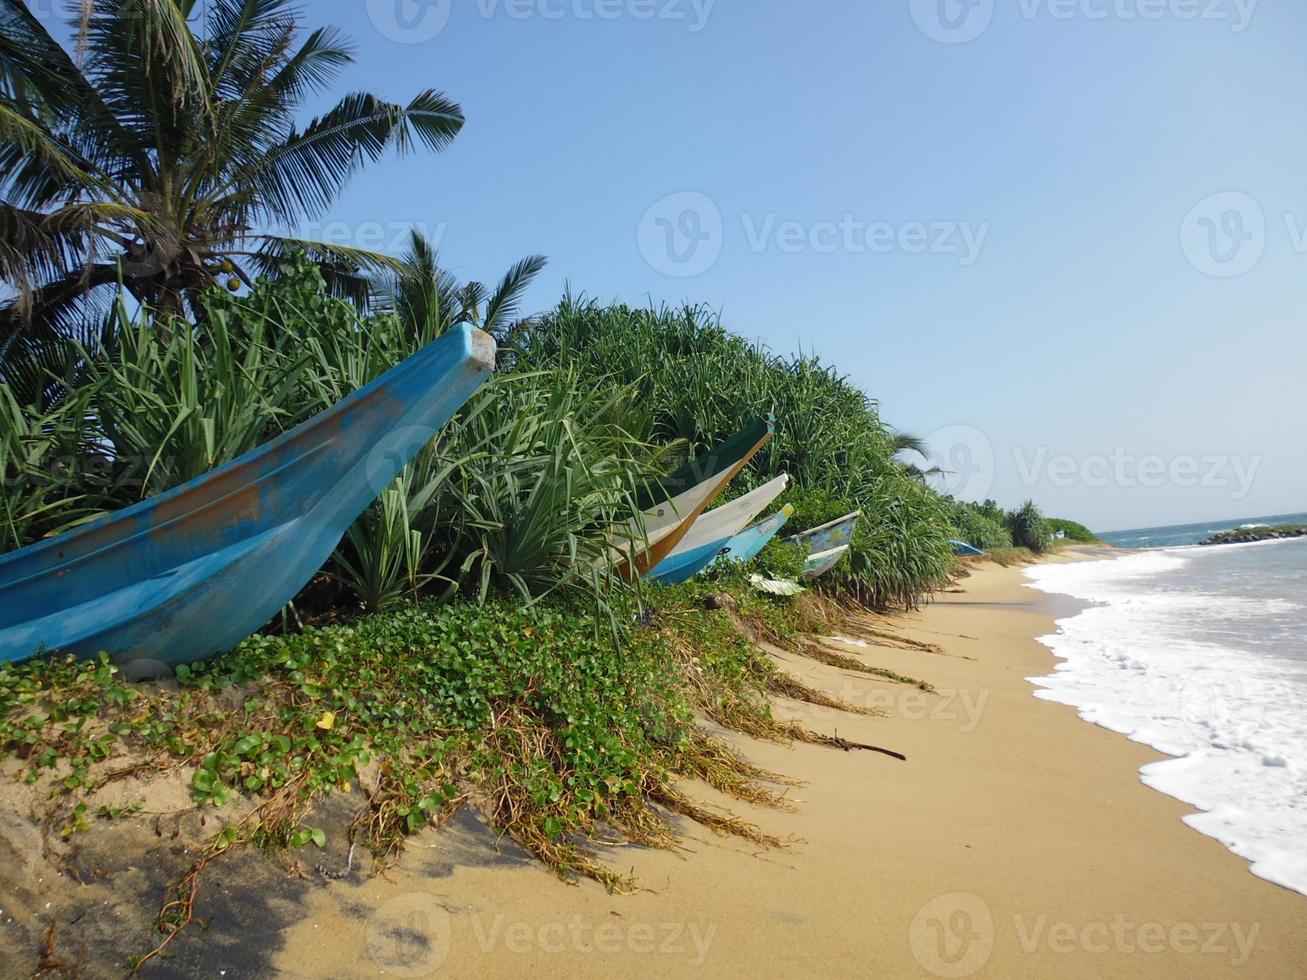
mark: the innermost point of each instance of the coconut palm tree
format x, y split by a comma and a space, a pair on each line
902, 442
157, 157
429, 300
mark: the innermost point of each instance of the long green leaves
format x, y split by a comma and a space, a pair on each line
158, 157
698, 381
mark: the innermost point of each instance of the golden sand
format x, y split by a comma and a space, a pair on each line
1016, 841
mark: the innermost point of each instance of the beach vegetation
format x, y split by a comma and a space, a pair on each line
471, 642
153, 159
1028, 528
982, 526
1071, 530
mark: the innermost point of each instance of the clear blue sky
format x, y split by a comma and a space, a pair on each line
1082, 320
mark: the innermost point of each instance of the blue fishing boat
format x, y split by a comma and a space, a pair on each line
746, 545
826, 544
712, 532
193, 571
670, 507
822, 562
962, 548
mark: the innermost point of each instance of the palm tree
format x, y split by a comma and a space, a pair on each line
429, 299
156, 158
902, 442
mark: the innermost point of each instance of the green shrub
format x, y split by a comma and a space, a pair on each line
699, 383
1028, 528
1072, 530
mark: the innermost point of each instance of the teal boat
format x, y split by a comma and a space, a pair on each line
712, 532
193, 571
748, 544
822, 562
826, 544
962, 548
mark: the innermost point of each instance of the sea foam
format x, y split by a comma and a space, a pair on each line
1175, 656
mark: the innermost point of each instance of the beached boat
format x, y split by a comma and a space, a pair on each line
826, 544
822, 562
746, 545
962, 548
827, 536
193, 571
670, 506
712, 532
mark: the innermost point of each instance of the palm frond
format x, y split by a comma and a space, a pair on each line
505, 301
306, 171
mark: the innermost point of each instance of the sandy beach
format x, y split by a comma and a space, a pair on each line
1016, 841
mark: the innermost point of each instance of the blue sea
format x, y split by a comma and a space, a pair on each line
1169, 537
1202, 654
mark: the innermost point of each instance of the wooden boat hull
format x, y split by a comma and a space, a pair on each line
747, 545
193, 571
669, 507
712, 532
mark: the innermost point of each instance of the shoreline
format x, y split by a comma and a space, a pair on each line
1018, 840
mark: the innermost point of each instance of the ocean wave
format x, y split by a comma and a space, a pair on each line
1153, 661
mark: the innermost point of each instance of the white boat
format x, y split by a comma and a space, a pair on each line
713, 531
